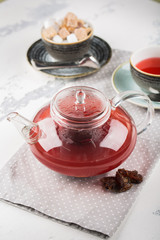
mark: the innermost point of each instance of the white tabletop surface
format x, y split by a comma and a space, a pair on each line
124, 24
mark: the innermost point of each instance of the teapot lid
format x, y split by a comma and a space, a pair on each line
80, 104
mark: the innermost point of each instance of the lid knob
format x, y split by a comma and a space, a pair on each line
80, 97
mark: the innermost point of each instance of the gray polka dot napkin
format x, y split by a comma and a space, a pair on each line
77, 201
80, 202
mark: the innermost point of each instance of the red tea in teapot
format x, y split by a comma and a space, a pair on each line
84, 152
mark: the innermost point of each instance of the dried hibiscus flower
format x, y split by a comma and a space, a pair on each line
122, 181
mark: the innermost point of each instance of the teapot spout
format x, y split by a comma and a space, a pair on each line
28, 129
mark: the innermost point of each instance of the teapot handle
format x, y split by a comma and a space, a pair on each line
142, 126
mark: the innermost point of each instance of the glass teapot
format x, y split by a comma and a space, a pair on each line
81, 133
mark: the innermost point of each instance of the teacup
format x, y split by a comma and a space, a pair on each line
145, 70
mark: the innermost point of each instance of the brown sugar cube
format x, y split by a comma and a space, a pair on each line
80, 23
71, 20
63, 33
56, 26
49, 32
63, 23
70, 29
80, 33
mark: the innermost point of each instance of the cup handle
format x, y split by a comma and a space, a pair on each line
142, 126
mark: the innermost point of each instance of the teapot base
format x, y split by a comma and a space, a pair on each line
82, 172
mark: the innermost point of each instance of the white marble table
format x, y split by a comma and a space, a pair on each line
124, 25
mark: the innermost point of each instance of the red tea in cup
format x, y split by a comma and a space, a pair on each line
150, 65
